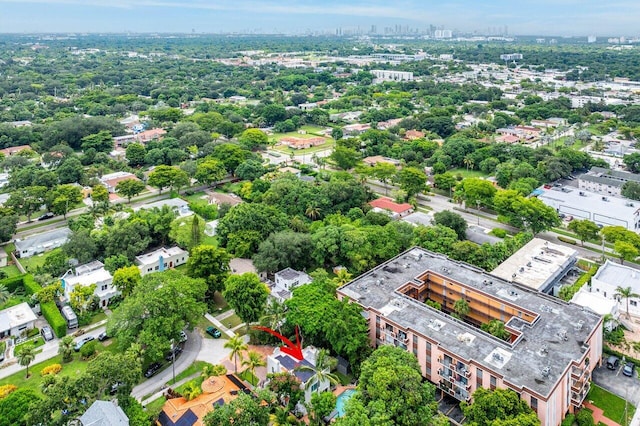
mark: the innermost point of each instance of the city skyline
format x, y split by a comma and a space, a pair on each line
543, 17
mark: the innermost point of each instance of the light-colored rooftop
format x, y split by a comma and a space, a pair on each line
596, 302
87, 275
16, 316
152, 257
619, 275
535, 264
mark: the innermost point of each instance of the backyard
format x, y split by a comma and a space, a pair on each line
468, 173
32, 263
612, 405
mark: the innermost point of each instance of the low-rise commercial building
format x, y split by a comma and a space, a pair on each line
606, 181
550, 350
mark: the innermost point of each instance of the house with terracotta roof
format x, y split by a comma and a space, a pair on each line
13, 150
112, 179
302, 143
216, 392
413, 134
390, 207
372, 161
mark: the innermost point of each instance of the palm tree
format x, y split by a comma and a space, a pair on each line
191, 391
253, 361
321, 371
468, 161
65, 348
312, 211
625, 293
26, 355
237, 346
342, 276
274, 314
212, 370
5, 294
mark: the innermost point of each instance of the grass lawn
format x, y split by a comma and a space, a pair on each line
37, 342
232, 187
194, 197
73, 368
612, 405
14, 300
249, 377
32, 263
288, 151
210, 241
194, 368
154, 407
468, 173
232, 321
11, 271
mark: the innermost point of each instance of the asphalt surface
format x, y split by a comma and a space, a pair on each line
152, 385
617, 383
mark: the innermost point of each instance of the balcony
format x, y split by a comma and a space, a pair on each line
578, 397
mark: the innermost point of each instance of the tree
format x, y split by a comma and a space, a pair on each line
15, 408
476, 190
237, 346
115, 262
252, 361
584, 229
246, 295
167, 176
70, 171
383, 172
625, 293
130, 188
63, 199
5, 294
632, 161
496, 328
285, 249
65, 348
211, 264
100, 194
187, 232
337, 133
242, 411
126, 279
210, 171
108, 368
157, 311
435, 238
411, 180
461, 308
26, 355
252, 139
322, 404
27, 200
625, 250
344, 157
135, 154
499, 406
452, 220
445, 181
391, 388
81, 297
631, 190
101, 142
8, 226
321, 371
192, 391
258, 217
250, 170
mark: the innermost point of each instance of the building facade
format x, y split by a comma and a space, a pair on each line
161, 260
285, 281
280, 362
90, 273
612, 275
550, 350
605, 181
16, 319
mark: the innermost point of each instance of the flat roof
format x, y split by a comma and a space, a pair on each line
619, 275
595, 301
535, 264
152, 257
612, 211
522, 361
16, 316
42, 239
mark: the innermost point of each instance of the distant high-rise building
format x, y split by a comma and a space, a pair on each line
374, 29
443, 34
591, 39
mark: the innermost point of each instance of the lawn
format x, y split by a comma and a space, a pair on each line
232, 321
194, 197
249, 377
14, 300
73, 368
468, 173
194, 368
154, 407
37, 342
11, 271
286, 150
33, 262
612, 405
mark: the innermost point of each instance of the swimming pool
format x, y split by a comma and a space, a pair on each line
341, 400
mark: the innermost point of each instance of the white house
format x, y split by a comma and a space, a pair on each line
285, 281
104, 413
16, 319
280, 362
612, 275
180, 206
162, 259
90, 273
40, 243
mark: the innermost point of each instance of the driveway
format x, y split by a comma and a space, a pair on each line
191, 349
617, 383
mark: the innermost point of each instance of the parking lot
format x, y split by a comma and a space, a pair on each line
617, 383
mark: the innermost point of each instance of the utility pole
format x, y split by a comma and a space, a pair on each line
478, 205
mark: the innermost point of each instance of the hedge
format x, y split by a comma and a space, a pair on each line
55, 319
24, 280
567, 292
608, 351
567, 240
30, 285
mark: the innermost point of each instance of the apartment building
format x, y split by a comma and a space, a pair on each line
551, 349
606, 181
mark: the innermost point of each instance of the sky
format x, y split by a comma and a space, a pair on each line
541, 17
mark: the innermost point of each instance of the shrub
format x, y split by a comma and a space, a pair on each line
569, 420
6, 390
499, 232
52, 369
53, 316
88, 349
30, 285
25, 281
33, 332
585, 418
567, 240
566, 293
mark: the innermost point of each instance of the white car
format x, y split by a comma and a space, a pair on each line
183, 336
46, 332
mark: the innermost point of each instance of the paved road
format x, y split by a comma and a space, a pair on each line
191, 350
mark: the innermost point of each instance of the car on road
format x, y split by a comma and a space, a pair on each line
46, 332
153, 369
46, 216
613, 362
183, 336
103, 336
214, 332
175, 351
114, 388
83, 342
628, 369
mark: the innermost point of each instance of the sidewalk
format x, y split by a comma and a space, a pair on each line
218, 324
598, 415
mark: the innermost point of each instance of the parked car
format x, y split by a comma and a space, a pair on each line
613, 362
114, 388
628, 369
175, 351
153, 369
46, 332
103, 336
83, 342
46, 216
183, 336
214, 332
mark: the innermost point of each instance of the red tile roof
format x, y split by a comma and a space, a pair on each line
388, 204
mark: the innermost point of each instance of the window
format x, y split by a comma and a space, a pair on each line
478, 377
492, 382
314, 387
104, 287
534, 404
633, 303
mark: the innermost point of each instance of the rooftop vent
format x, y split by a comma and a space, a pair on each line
529, 264
546, 371
497, 357
562, 334
544, 350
